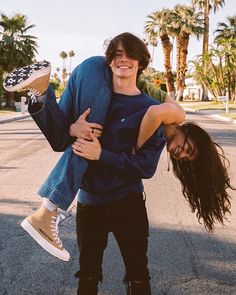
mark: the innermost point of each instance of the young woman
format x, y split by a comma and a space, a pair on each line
198, 162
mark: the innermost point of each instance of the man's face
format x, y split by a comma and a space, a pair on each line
123, 66
181, 147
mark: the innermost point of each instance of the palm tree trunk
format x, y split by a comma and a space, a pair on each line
166, 45
182, 52
229, 75
205, 44
1, 87
153, 50
10, 101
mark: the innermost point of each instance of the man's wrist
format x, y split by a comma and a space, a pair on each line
71, 130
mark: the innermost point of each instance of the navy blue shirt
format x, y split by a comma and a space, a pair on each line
119, 170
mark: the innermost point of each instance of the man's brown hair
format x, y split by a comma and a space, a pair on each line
134, 48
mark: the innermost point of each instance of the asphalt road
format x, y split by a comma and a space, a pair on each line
183, 258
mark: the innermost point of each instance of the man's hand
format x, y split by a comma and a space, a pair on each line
90, 150
82, 129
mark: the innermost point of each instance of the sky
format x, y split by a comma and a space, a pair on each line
83, 25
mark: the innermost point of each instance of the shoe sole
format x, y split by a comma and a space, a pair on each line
44, 243
35, 74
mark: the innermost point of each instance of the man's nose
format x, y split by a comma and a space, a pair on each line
124, 57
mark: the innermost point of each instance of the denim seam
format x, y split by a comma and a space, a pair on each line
38, 112
56, 191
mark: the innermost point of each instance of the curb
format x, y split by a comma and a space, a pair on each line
20, 117
12, 119
218, 117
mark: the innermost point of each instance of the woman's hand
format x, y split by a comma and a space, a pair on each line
90, 150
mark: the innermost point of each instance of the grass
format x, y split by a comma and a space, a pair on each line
208, 105
212, 105
3, 112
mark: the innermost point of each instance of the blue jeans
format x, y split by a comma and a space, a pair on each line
127, 220
88, 86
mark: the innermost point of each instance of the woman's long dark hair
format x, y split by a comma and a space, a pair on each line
205, 180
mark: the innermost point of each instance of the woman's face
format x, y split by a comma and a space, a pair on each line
182, 147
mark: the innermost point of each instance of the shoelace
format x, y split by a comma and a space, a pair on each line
61, 216
55, 231
33, 94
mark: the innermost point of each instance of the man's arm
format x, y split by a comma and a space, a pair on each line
141, 164
82, 129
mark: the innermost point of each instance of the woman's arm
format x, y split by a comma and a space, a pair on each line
169, 112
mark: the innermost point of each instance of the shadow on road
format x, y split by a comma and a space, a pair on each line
177, 259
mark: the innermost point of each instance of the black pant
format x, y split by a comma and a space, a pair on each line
127, 220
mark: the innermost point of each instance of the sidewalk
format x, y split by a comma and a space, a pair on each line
14, 116
213, 114
6, 117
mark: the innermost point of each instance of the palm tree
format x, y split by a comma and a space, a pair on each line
17, 48
71, 54
152, 40
159, 25
226, 40
205, 6
64, 76
186, 22
63, 55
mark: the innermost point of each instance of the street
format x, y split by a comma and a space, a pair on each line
183, 258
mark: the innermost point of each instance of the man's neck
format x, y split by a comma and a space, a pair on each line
125, 86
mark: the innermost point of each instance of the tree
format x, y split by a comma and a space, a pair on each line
63, 55
226, 40
64, 76
214, 79
186, 22
71, 54
159, 25
205, 6
17, 48
220, 77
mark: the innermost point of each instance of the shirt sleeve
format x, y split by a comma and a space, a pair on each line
143, 163
151, 90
